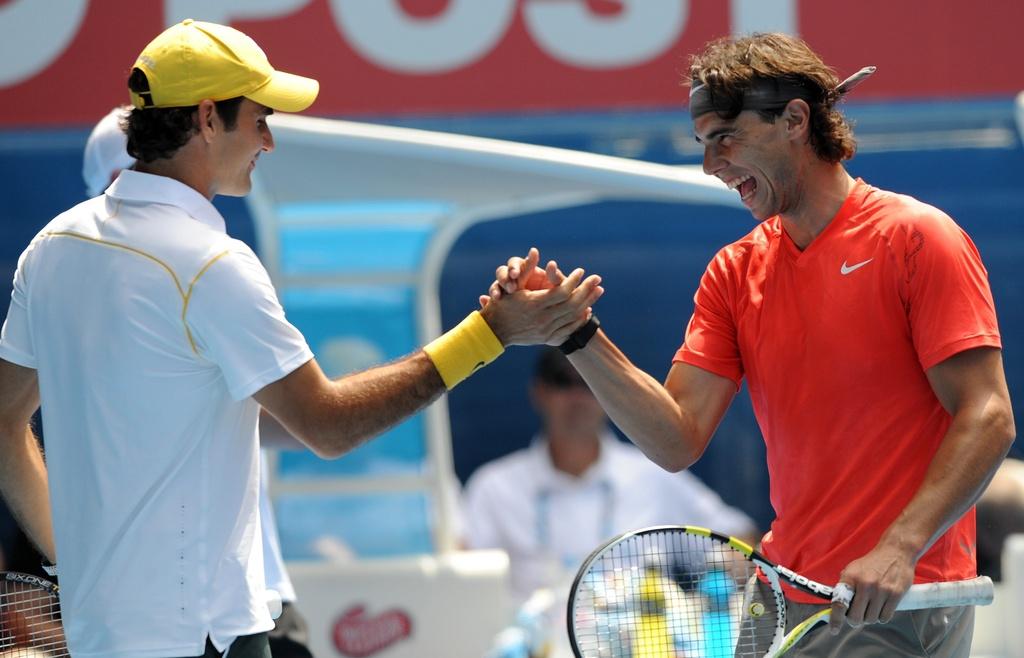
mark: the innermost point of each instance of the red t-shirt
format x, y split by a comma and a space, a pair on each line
834, 342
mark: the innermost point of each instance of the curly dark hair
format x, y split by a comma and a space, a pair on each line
158, 132
729, 66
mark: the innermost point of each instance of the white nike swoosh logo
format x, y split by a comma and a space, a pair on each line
846, 269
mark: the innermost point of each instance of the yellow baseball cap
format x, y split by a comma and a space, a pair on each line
194, 60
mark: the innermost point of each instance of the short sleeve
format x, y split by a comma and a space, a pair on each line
945, 288
237, 323
16, 343
711, 338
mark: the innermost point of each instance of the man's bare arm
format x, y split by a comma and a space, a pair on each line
333, 417
23, 480
972, 387
671, 423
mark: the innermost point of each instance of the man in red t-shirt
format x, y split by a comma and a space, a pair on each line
863, 323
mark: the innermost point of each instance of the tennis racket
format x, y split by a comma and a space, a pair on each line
670, 591
30, 618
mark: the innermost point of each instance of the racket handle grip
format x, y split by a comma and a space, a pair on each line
978, 591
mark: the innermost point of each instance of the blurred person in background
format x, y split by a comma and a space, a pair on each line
864, 326
577, 485
106, 151
150, 339
105, 155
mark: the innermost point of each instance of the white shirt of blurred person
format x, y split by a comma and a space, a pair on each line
106, 154
150, 339
550, 504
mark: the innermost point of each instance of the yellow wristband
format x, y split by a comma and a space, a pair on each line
463, 350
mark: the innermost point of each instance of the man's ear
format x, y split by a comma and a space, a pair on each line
797, 118
207, 119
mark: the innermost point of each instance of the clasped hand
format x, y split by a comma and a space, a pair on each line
527, 305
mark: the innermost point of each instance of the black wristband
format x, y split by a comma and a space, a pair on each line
579, 338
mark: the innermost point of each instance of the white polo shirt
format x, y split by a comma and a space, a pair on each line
549, 521
150, 330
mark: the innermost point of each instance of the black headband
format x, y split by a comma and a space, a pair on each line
764, 94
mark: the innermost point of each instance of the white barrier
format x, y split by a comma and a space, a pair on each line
990, 630
998, 631
454, 605
448, 605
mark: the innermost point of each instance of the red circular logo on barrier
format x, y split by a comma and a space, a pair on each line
357, 635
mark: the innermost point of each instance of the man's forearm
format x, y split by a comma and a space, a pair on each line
334, 417
23, 480
968, 457
972, 389
662, 427
371, 402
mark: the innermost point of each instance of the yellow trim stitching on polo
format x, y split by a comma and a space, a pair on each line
185, 296
188, 295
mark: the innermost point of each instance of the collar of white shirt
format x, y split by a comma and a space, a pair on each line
137, 187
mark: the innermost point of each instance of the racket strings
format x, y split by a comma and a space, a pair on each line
30, 625
666, 594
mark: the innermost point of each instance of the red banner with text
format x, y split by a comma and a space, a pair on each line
66, 62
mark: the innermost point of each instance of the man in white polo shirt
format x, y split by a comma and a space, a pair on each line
105, 155
151, 339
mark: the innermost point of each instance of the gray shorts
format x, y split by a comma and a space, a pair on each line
934, 633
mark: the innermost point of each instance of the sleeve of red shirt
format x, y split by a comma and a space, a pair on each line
710, 341
945, 288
